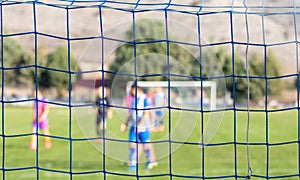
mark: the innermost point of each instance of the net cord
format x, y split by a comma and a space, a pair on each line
248, 94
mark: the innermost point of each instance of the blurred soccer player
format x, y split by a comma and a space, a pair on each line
139, 123
103, 111
159, 100
40, 120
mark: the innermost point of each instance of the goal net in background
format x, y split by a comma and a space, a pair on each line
234, 62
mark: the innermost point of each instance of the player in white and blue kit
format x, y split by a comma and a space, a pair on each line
139, 123
159, 100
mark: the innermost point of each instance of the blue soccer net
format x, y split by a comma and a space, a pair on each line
252, 131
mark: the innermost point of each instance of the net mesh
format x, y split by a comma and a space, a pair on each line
251, 142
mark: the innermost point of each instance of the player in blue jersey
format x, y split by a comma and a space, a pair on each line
139, 123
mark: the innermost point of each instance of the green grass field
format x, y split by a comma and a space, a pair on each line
186, 159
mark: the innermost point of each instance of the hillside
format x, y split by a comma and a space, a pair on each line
183, 27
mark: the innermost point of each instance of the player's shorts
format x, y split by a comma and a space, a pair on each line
139, 136
42, 125
159, 113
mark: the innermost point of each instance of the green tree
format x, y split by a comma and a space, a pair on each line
42, 54
152, 57
237, 86
58, 59
23, 74
16, 58
261, 70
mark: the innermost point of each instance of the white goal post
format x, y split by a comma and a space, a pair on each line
177, 84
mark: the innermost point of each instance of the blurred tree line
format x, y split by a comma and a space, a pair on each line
262, 70
19, 67
52, 68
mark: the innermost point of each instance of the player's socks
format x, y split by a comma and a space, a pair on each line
47, 142
32, 146
148, 155
161, 126
151, 159
98, 132
132, 156
32, 142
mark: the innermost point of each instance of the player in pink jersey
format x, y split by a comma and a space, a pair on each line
40, 120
